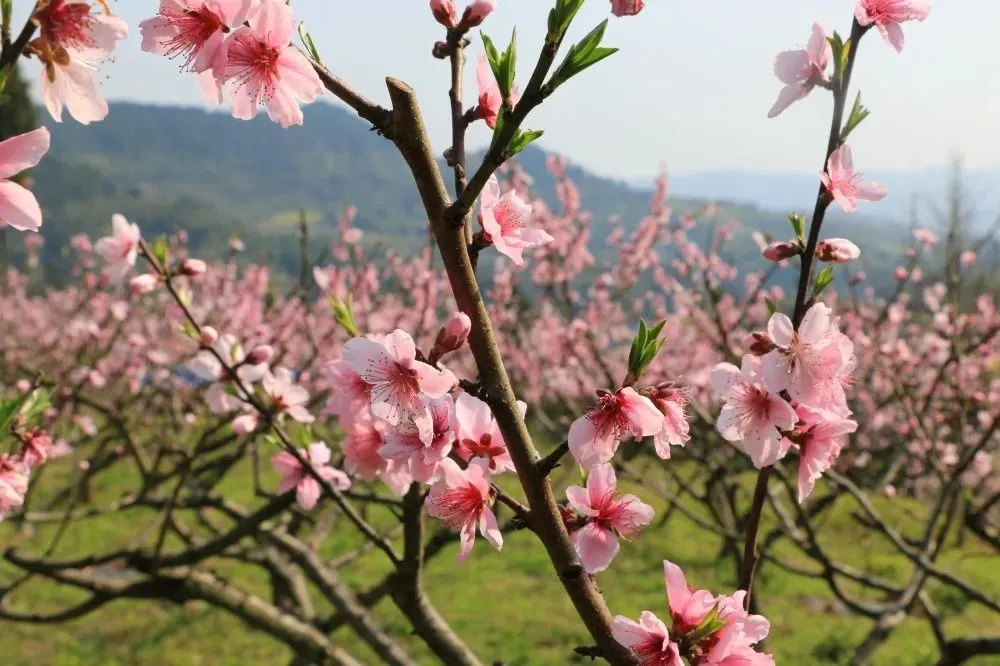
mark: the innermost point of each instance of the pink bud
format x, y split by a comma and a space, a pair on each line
968, 258
780, 250
245, 424
901, 273
837, 250
453, 334
444, 12
626, 7
859, 277
476, 13
208, 336
143, 284
193, 267
260, 354
759, 343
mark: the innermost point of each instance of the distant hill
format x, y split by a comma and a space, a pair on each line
919, 190
170, 168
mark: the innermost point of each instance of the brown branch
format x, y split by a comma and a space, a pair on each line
414, 144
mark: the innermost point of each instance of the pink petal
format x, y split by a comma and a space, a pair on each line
726, 376
893, 35
596, 547
780, 328
490, 530
307, 493
645, 418
789, 66
790, 94
18, 207
678, 592
400, 345
579, 499
22, 152
601, 482
433, 382
319, 453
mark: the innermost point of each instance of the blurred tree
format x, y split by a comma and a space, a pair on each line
17, 116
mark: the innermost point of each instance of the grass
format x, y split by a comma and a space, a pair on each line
508, 606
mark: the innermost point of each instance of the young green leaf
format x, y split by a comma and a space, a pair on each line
771, 307
585, 53
823, 280
858, 114
798, 223
522, 140
307, 41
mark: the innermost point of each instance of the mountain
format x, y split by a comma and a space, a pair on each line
172, 168
909, 191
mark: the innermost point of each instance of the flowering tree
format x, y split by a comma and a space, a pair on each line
721, 384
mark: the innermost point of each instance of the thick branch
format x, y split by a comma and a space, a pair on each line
414, 144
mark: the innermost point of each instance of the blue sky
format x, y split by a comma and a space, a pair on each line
691, 86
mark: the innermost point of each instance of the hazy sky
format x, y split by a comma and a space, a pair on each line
691, 86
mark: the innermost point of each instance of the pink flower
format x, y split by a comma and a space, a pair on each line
627, 7
18, 206
752, 415
192, 267
967, 258
72, 40
350, 394
609, 515
820, 436
926, 237
648, 639
505, 222
803, 359
364, 438
688, 607
245, 424
801, 70
671, 402
444, 12
287, 397
594, 437
837, 250
845, 185
888, 14
397, 379
462, 500
267, 69
424, 440
36, 448
478, 435
221, 396
144, 284
294, 475
13, 484
476, 13
121, 248
490, 97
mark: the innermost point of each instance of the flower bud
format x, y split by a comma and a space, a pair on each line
440, 50
208, 336
627, 7
260, 354
901, 273
476, 13
453, 334
759, 343
143, 284
967, 258
780, 250
837, 250
444, 12
192, 267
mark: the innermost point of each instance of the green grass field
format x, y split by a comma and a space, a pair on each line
508, 605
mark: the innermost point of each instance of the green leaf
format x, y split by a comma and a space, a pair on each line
798, 223
560, 19
510, 66
307, 41
7, 410
522, 140
35, 404
771, 307
585, 53
710, 624
823, 280
188, 329
840, 51
161, 251
858, 114
343, 313
645, 346
492, 55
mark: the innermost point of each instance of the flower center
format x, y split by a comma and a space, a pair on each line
66, 24
194, 28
